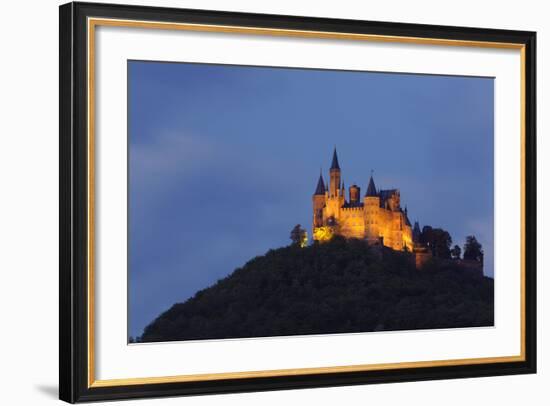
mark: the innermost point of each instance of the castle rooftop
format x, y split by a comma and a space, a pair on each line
334, 164
371, 189
320, 190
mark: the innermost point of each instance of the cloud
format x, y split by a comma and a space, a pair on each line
191, 198
170, 154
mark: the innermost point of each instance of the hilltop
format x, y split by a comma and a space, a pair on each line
341, 286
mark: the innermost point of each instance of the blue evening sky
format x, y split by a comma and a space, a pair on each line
224, 161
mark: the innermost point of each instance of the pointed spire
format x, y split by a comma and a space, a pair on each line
416, 232
371, 188
320, 190
334, 164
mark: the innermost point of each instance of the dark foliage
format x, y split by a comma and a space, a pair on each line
437, 240
455, 252
337, 287
298, 235
472, 249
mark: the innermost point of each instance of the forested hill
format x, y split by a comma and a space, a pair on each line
337, 287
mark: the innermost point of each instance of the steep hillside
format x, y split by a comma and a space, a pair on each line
338, 287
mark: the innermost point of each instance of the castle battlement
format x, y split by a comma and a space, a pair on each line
376, 217
357, 209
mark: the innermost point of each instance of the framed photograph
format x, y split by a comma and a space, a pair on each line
255, 202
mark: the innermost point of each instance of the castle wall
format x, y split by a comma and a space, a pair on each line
421, 258
351, 222
373, 219
318, 207
386, 224
333, 206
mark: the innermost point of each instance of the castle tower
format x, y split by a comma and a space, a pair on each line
319, 202
372, 205
371, 189
335, 173
354, 194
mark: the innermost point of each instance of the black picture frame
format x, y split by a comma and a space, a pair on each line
74, 200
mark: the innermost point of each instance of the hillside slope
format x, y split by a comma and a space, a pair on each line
338, 287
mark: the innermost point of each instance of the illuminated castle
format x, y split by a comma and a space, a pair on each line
378, 218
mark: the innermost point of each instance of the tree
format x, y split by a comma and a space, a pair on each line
472, 249
298, 236
426, 235
455, 252
437, 240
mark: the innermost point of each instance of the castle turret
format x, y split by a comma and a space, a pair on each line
319, 202
320, 189
334, 176
416, 232
371, 189
372, 197
354, 194
372, 205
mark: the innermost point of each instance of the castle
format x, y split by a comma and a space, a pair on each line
377, 218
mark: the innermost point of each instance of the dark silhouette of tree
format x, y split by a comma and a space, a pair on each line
298, 236
455, 252
426, 235
437, 240
472, 249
